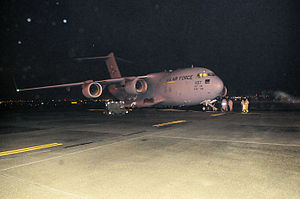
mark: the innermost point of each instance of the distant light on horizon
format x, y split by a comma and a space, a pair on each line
28, 19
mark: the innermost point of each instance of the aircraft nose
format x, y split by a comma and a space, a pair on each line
219, 86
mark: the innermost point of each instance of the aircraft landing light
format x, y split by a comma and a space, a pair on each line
217, 114
4, 153
168, 123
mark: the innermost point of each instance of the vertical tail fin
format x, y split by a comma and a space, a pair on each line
112, 66
110, 63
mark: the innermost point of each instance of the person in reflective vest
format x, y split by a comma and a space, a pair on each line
243, 106
247, 105
224, 105
230, 104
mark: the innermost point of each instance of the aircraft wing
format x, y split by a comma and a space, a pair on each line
102, 82
52, 86
110, 81
119, 80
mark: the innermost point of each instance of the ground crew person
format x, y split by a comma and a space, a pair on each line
230, 104
224, 105
243, 106
247, 105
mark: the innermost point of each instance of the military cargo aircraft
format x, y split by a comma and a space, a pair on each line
182, 87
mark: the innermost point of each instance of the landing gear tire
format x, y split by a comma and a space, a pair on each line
206, 108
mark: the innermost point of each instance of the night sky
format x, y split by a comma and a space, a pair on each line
251, 45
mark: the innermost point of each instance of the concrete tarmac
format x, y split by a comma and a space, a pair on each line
150, 153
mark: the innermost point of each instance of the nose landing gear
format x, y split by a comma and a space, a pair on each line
209, 105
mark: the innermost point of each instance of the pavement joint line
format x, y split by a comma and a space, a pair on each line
42, 186
25, 154
233, 141
11, 152
75, 152
217, 114
168, 123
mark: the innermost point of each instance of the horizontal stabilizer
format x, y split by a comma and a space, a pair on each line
92, 58
110, 63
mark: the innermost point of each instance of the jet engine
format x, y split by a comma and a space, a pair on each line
92, 90
136, 86
224, 92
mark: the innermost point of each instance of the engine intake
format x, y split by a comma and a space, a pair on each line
136, 86
92, 90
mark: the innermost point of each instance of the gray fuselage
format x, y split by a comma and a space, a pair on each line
182, 87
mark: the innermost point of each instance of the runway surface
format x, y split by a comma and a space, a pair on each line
150, 153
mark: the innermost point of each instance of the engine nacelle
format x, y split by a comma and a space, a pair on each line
136, 86
92, 90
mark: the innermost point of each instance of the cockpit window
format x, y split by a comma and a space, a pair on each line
204, 74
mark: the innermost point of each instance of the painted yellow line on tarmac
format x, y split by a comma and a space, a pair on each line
168, 123
171, 110
217, 114
93, 109
29, 149
171, 82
